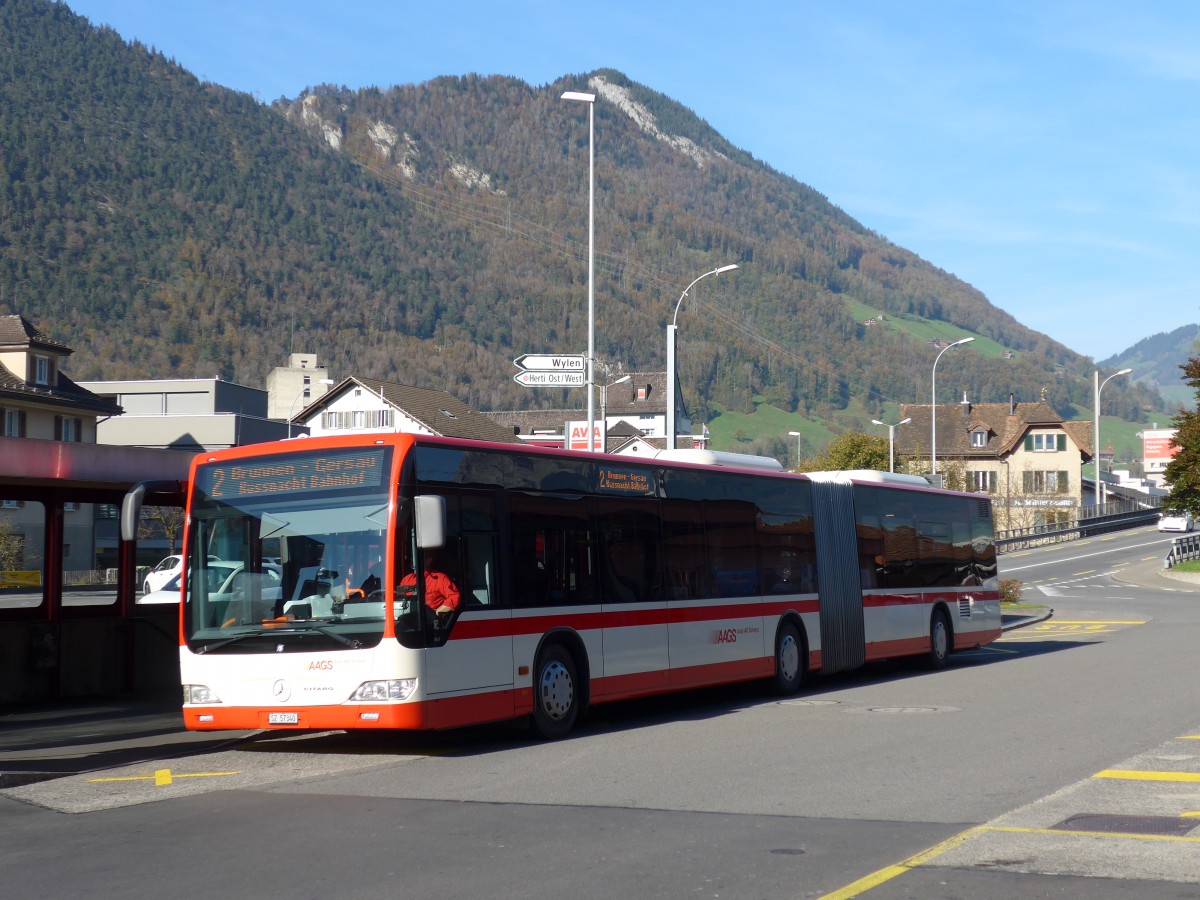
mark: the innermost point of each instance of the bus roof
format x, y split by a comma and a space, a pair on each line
721, 458
845, 476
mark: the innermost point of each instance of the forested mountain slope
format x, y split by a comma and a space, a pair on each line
1156, 362
431, 233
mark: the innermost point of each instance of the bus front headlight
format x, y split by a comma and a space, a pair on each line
394, 689
200, 694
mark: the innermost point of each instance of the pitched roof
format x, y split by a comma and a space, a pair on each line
438, 412
1004, 424
527, 421
17, 331
623, 399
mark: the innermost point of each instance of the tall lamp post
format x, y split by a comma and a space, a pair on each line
1096, 430
303, 391
671, 354
604, 410
590, 100
891, 440
799, 443
933, 408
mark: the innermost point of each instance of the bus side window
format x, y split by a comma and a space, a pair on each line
554, 560
479, 570
683, 541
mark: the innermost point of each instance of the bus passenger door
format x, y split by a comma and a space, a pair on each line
632, 585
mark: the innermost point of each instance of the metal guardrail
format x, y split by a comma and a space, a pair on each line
1182, 549
1080, 528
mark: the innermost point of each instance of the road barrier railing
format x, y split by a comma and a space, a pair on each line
1182, 549
1020, 538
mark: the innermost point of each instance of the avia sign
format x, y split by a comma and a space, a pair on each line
577, 435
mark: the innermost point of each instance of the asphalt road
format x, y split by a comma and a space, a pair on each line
1063, 761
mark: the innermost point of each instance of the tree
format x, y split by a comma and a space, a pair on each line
11, 548
166, 521
850, 451
1183, 471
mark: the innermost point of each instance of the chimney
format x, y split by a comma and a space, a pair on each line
966, 405
1012, 405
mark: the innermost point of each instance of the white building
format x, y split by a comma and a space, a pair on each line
358, 405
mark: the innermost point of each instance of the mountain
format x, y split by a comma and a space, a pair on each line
431, 233
1156, 362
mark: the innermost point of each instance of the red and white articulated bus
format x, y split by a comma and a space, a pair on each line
562, 579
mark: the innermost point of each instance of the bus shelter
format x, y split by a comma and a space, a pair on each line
69, 622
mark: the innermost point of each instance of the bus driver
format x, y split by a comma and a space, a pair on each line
441, 593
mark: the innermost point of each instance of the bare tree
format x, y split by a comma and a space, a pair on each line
161, 521
12, 548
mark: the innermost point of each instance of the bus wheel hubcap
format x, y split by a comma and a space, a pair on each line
557, 692
789, 658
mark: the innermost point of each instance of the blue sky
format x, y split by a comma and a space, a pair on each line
1047, 153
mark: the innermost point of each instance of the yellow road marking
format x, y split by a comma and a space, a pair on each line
1134, 775
1188, 737
875, 879
1190, 815
1101, 622
886, 874
1171, 838
160, 777
1088, 572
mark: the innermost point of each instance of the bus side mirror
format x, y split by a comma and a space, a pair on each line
431, 521
131, 504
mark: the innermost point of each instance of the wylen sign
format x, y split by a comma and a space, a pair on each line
550, 371
534, 362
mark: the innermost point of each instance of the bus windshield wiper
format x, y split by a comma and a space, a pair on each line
230, 640
304, 629
300, 628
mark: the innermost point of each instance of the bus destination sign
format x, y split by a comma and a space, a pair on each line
295, 474
625, 481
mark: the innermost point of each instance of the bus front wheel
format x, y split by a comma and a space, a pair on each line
789, 659
556, 693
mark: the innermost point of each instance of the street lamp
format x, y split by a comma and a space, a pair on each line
799, 444
933, 410
590, 100
604, 410
303, 391
1096, 430
671, 354
891, 440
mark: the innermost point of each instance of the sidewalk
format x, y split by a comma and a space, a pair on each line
72, 737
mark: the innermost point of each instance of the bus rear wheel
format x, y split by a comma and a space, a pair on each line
940, 639
789, 660
556, 693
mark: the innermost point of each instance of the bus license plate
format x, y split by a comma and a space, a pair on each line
283, 718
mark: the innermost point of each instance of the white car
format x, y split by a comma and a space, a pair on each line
157, 578
224, 578
1175, 520
168, 593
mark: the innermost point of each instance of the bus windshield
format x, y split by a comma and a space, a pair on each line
287, 553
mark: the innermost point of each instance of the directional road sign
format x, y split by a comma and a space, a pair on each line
533, 362
550, 379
